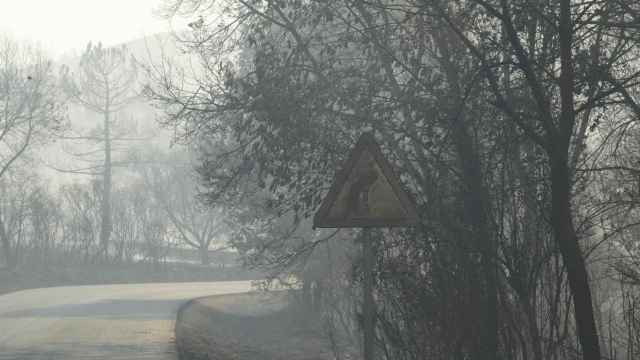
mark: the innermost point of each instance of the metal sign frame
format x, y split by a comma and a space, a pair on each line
366, 143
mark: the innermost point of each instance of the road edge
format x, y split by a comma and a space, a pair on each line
176, 324
181, 352
185, 349
188, 345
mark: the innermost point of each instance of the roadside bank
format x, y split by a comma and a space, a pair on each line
249, 326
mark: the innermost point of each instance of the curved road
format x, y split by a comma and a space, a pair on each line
115, 322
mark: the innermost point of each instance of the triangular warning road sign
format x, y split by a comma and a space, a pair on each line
366, 193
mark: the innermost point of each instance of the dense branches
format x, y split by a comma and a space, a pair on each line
494, 113
30, 111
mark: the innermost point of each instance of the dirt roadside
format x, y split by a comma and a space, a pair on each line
249, 326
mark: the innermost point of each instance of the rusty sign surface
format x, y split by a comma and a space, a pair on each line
366, 193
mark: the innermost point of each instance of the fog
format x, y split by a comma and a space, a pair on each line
191, 179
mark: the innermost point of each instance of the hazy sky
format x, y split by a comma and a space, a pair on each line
61, 26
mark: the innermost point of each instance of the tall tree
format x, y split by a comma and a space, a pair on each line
103, 83
569, 59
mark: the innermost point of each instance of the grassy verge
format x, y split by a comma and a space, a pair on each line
254, 326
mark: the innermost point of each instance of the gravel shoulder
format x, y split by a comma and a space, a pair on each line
249, 326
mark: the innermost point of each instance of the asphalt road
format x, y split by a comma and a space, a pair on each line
115, 322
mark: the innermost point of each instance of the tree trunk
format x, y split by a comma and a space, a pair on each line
306, 294
476, 205
204, 255
317, 296
562, 223
476, 209
561, 217
6, 246
105, 227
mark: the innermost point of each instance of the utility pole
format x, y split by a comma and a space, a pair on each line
368, 305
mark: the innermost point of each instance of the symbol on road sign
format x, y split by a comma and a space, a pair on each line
366, 193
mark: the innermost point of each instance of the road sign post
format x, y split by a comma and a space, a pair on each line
368, 305
366, 194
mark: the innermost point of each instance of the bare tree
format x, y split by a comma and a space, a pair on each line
104, 83
29, 110
80, 204
170, 181
14, 194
